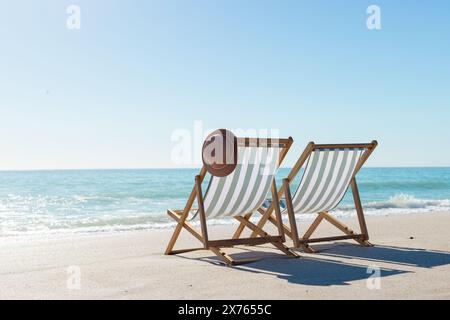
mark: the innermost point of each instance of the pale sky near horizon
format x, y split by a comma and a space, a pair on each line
111, 94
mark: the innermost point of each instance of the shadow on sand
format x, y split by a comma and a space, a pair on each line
386, 254
314, 270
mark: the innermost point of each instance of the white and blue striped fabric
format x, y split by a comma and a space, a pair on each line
246, 189
326, 179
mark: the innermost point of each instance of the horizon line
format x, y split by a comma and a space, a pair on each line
192, 168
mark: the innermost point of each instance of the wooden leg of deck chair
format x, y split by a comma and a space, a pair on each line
345, 229
313, 226
175, 252
247, 217
286, 229
277, 210
189, 228
181, 221
310, 231
360, 213
291, 213
265, 217
201, 211
223, 256
184, 216
272, 219
261, 233
229, 260
241, 227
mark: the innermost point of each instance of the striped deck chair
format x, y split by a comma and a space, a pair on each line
242, 192
329, 171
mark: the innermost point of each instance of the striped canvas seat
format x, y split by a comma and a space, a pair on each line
326, 179
236, 195
330, 169
246, 189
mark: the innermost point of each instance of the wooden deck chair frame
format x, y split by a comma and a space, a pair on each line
292, 231
216, 246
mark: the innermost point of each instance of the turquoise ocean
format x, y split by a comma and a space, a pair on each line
92, 201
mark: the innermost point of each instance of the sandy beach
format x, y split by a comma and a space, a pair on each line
411, 251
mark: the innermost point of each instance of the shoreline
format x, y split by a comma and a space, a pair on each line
412, 252
73, 235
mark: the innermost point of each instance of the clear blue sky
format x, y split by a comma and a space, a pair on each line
111, 94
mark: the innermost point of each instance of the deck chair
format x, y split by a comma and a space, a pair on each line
330, 169
240, 193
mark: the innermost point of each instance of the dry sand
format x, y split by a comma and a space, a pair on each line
131, 266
